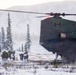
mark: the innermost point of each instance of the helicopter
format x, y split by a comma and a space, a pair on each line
57, 35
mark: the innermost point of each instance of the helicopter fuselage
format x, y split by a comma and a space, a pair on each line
59, 36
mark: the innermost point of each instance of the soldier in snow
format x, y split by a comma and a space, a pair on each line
26, 56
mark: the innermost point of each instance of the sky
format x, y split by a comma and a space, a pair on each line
9, 3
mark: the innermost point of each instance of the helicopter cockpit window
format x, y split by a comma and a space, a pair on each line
62, 35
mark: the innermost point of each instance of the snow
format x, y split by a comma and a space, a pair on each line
40, 71
23, 68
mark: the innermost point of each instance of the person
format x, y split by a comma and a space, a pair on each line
12, 56
26, 56
21, 56
4, 57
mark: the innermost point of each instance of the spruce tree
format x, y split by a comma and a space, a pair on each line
28, 40
22, 48
9, 35
2, 38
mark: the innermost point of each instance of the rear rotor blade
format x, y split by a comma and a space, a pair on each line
70, 14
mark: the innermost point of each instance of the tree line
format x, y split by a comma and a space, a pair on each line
6, 41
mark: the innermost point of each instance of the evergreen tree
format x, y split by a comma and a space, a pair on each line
22, 48
9, 35
28, 41
2, 38
26, 48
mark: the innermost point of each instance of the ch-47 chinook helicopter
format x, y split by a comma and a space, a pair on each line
57, 35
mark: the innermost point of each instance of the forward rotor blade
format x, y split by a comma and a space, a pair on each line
49, 14
22, 11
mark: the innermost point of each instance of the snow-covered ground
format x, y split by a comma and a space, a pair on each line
31, 68
37, 54
33, 71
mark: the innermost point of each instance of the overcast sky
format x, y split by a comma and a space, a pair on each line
9, 3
